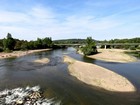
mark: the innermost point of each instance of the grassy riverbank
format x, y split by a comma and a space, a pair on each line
113, 55
19, 53
98, 76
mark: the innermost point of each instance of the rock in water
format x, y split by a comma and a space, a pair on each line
27, 96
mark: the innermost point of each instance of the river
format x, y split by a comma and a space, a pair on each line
57, 83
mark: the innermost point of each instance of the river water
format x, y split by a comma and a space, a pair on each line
57, 83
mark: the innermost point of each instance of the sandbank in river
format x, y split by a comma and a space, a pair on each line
98, 76
112, 55
19, 53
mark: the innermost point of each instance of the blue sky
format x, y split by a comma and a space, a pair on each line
63, 19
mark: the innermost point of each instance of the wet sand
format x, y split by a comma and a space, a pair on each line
113, 55
42, 61
98, 76
19, 53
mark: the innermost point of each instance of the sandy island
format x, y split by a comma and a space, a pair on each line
98, 76
19, 53
113, 55
42, 61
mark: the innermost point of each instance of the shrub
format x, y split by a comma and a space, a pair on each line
90, 47
1, 50
7, 50
132, 48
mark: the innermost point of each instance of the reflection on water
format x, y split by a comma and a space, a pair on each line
55, 80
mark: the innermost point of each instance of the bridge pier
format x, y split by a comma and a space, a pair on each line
105, 47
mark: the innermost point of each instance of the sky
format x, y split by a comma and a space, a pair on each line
66, 19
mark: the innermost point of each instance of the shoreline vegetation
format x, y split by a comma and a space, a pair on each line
98, 76
19, 53
113, 55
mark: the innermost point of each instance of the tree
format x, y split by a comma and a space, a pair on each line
90, 47
24, 46
39, 43
47, 42
9, 36
9, 42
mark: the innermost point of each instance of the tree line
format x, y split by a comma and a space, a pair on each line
83, 41
9, 44
70, 41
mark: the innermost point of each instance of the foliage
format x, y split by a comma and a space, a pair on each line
70, 41
1, 42
138, 47
132, 48
47, 42
1, 49
7, 50
8, 42
90, 47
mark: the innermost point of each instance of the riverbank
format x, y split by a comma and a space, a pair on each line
113, 55
98, 76
19, 53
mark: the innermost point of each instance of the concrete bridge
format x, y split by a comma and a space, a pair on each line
68, 44
111, 45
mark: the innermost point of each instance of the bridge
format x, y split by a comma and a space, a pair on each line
104, 44
117, 44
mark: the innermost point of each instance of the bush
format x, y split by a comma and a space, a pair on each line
1, 50
89, 50
132, 48
7, 50
90, 47
126, 47
138, 47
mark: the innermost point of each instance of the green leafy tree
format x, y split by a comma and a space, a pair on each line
24, 46
39, 43
90, 47
18, 45
9, 43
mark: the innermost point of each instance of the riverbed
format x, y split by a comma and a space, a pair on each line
56, 82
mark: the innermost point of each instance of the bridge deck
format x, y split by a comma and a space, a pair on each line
102, 44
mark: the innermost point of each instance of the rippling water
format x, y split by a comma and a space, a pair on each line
57, 83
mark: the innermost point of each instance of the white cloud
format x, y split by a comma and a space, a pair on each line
42, 22
11, 17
